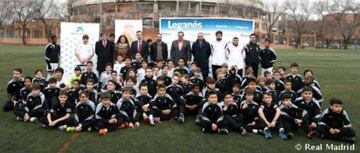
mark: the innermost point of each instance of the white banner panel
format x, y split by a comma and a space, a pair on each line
71, 37
127, 28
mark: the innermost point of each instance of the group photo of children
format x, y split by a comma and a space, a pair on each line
220, 86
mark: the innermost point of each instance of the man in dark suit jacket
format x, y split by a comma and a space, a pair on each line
139, 46
180, 49
104, 50
158, 47
201, 50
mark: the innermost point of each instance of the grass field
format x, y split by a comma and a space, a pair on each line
336, 70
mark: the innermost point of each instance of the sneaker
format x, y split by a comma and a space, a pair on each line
290, 135
62, 127
89, 129
282, 134
243, 131
71, 129
203, 130
267, 134
18, 118
223, 131
181, 118
197, 120
151, 120
103, 132
33, 119
122, 126
350, 140
255, 131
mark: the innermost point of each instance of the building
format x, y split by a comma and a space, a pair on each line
106, 11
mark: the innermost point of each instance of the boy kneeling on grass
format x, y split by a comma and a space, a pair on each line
335, 124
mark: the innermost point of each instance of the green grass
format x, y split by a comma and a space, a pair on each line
336, 70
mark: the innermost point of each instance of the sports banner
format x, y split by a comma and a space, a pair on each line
71, 37
127, 28
231, 27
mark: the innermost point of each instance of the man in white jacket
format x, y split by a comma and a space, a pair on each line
218, 49
235, 55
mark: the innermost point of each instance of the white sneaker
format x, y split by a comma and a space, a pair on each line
33, 119
62, 127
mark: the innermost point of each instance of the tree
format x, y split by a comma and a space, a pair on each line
273, 11
5, 11
299, 12
24, 10
43, 9
65, 10
346, 14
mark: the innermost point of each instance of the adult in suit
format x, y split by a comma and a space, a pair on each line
201, 50
104, 50
139, 46
180, 48
158, 50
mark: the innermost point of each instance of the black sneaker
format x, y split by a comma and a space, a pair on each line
290, 135
223, 131
350, 140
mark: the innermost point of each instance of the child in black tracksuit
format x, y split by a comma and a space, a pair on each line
292, 116
311, 105
193, 100
270, 84
335, 124
267, 57
176, 92
257, 93
106, 115
197, 78
249, 111
89, 74
26, 90
296, 79
93, 94
73, 94
59, 113
32, 107
13, 90
84, 113
114, 94
128, 114
51, 93
149, 81
39, 79
269, 114
288, 90
210, 86
236, 93
279, 84
144, 99
211, 116
232, 118
221, 82
309, 82
163, 107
